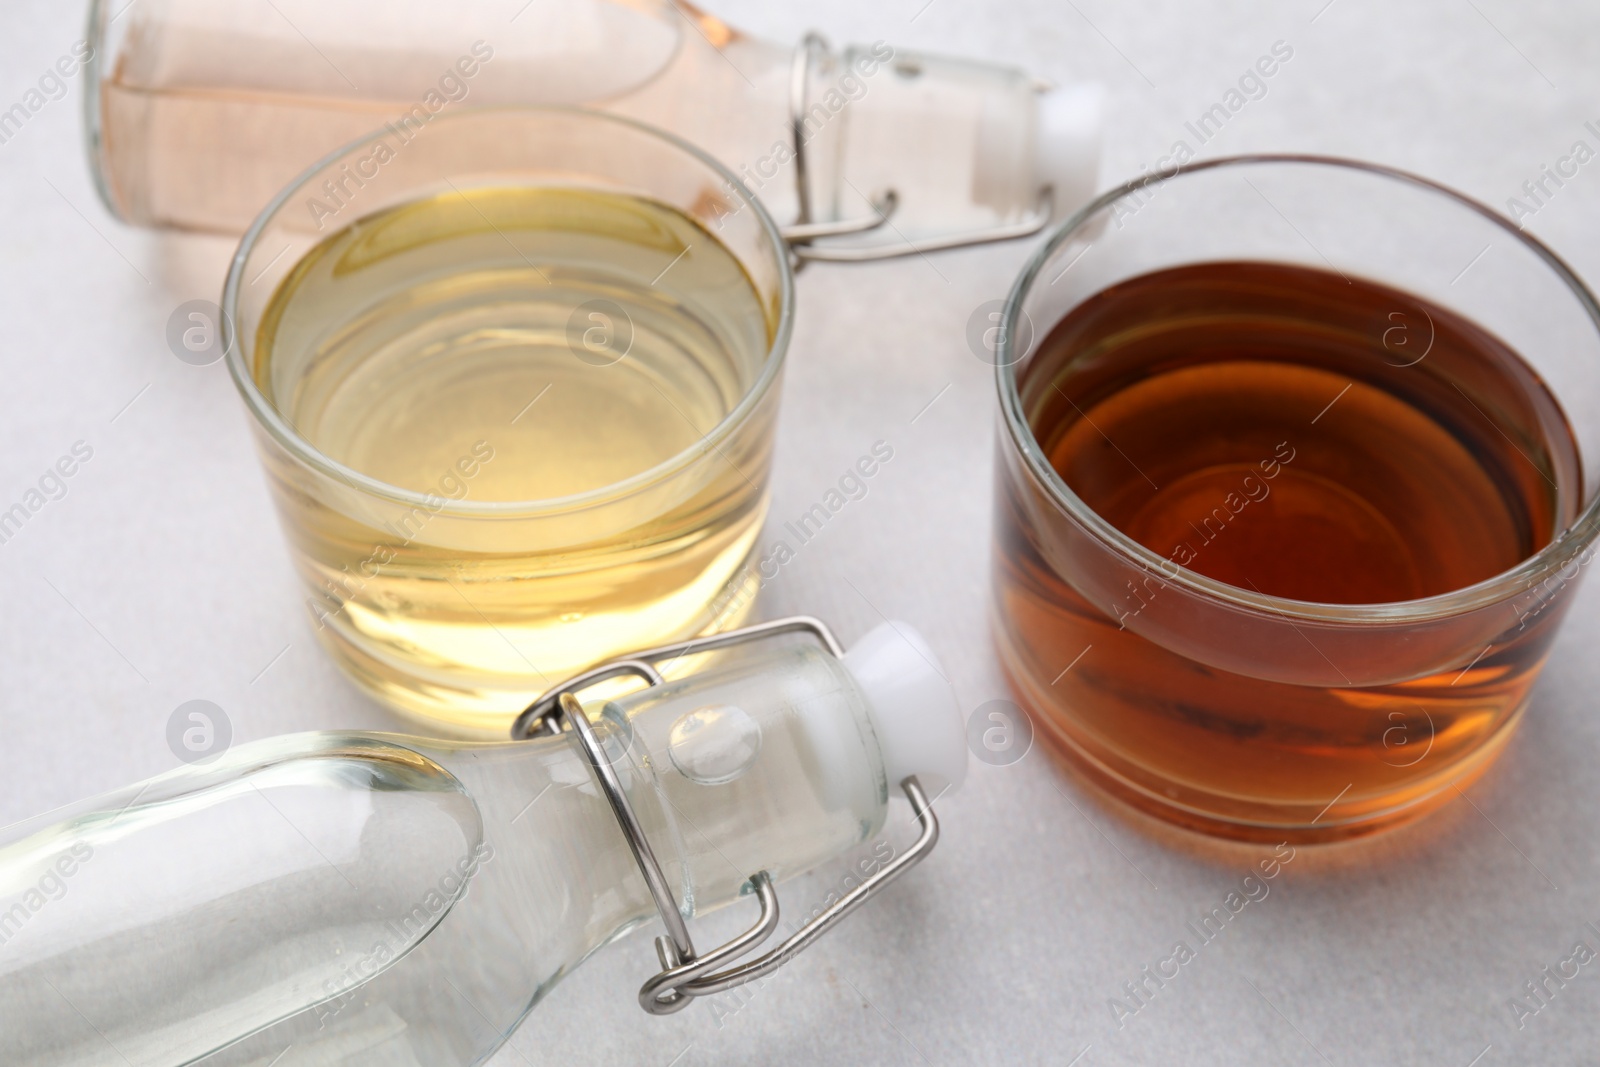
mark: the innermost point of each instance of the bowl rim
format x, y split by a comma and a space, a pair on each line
286, 436
1574, 539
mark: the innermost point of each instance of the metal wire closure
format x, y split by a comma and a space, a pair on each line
804, 231
536, 718
685, 974
673, 988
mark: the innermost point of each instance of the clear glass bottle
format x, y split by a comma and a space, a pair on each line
198, 112
377, 899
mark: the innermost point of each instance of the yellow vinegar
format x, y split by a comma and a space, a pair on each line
549, 369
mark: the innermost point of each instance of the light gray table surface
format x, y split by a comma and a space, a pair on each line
162, 577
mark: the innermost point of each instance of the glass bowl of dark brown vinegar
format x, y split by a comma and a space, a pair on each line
1297, 477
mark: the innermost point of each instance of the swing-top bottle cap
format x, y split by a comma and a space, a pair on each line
1068, 147
912, 705
913, 716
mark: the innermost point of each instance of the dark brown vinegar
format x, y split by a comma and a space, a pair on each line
1303, 435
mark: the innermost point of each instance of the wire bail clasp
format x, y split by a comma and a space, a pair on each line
802, 234
685, 974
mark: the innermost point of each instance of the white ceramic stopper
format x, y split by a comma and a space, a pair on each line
913, 707
1068, 151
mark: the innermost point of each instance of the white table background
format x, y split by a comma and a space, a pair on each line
162, 577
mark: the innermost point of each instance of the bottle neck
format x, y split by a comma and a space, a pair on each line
764, 762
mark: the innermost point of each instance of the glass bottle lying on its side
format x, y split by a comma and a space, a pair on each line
374, 899
198, 112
